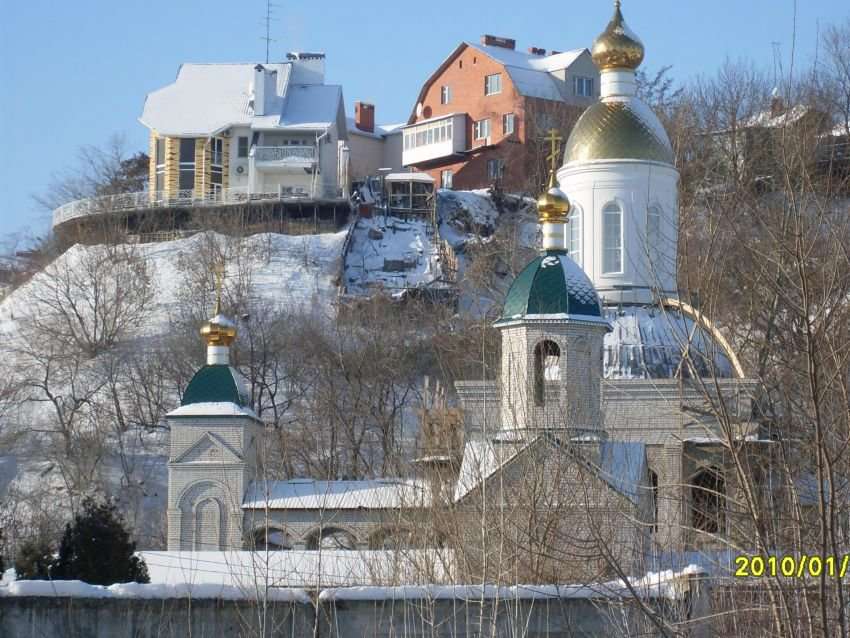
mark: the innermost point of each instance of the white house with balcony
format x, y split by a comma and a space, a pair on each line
226, 132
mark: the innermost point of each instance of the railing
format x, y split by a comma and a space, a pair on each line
284, 153
161, 199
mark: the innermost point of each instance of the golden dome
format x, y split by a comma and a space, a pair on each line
618, 130
553, 206
219, 331
618, 47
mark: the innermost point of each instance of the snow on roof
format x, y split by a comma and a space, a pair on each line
480, 461
79, 589
299, 568
391, 129
207, 98
767, 119
665, 584
409, 177
531, 73
380, 132
312, 495
225, 408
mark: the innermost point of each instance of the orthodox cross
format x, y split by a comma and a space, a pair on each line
554, 140
218, 271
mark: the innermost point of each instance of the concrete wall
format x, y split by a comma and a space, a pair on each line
459, 616
63, 617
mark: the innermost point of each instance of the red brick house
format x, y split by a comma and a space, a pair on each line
478, 111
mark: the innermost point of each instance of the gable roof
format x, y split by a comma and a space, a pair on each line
207, 98
529, 73
311, 494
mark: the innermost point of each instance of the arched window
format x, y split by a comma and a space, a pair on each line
575, 234
612, 238
653, 236
708, 490
208, 526
331, 538
653, 486
270, 538
547, 357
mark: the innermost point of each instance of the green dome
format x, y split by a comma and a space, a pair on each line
216, 384
552, 284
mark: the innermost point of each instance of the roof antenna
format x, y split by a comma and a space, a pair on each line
268, 21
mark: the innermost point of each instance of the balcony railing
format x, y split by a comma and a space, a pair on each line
284, 154
162, 199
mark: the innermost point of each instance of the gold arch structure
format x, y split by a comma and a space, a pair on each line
705, 322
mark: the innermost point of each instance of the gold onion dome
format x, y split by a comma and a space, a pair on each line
617, 47
553, 206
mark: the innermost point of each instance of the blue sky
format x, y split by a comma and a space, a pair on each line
76, 72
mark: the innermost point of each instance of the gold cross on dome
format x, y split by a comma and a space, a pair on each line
554, 139
218, 271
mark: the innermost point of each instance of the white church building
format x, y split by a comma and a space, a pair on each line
599, 356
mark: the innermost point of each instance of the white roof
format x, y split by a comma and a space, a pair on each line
298, 568
310, 494
223, 408
409, 177
207, 98
531, 73
380, 132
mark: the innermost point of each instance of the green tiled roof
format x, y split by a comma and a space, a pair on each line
215, 384
552, 284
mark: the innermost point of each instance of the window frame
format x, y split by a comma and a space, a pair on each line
445, 94
608, 210
489, 80
574, 236
444, 182
582, 82
239, 148
477, 127
500, 172
508, 117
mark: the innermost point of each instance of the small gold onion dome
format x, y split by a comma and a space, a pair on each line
553, 206
618, 47
219, 331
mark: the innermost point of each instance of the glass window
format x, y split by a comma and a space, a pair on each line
493, 84
612, 238
445, 95
508, 123
495, 169
187, 150
216, 148
575, 234
242, 147
446, 179
583, 86
449, 130
547, 355
481, 129
160, 151
653, 234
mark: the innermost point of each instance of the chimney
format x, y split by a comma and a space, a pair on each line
364, 116
259, 90
496, 41
536, 51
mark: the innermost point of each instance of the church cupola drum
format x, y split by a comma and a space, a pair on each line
618, 168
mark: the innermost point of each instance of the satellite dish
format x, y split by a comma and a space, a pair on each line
419, 109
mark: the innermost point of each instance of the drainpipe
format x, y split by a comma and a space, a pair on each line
319, 138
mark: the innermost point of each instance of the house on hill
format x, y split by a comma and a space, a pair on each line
479, 109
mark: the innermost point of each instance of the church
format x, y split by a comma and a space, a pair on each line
598, 419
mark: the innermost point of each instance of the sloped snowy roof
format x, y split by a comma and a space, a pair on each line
531, 73
224, 408
312, 495
207, 98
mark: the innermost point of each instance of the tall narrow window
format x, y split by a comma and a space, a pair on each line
653, 486
187, 164
159, 186
575, 234
445, 94
547, 356
495, 169
707, 498
653, 236
481, 129
446, 179
508, 123
242, 146
612, 238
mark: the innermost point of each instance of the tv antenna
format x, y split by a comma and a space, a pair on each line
270, 7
